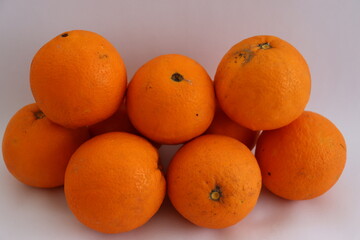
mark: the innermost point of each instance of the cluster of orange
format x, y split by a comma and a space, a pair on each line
81, 133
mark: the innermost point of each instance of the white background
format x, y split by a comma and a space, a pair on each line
325, 32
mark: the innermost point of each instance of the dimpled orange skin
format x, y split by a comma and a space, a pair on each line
302, 160
78, 79
37, 151
214, 166
263, 83
171, 99
223, 125
113, 183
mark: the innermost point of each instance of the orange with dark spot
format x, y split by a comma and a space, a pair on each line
302, 160
263, 83
78, 79
36, 151
214, 181
171, 99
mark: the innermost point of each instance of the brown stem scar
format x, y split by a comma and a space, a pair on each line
264, 46
39, 115
215, 194
177, 77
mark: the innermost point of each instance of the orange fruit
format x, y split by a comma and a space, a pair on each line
263, 83
119, 122
171, 99
302, 160
113, 183
78, 79
214, 181
37, 151
223, 125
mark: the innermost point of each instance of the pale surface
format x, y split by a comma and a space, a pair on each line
325, 32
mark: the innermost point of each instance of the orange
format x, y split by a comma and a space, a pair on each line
78, 79
113, 183
37, 151
171, 99
263, 83
214, 181
223, 125
302, 160
119, 122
